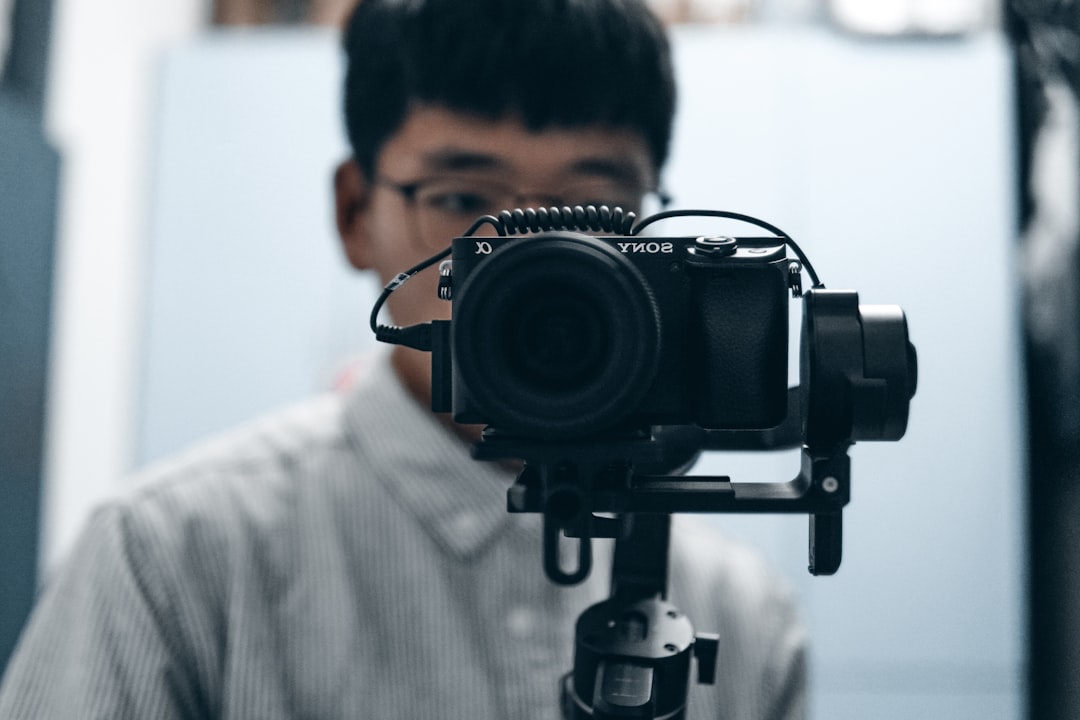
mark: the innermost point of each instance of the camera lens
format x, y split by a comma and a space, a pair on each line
556, 339
555, 335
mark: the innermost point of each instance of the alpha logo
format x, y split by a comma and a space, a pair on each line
651, 248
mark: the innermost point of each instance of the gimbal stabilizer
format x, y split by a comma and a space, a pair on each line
545, 332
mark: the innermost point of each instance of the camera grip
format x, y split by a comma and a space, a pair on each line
742, 312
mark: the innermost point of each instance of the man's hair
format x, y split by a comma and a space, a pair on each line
549, 63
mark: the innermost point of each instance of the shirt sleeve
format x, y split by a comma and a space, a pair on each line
99, 643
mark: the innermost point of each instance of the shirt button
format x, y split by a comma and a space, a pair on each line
520, 621
466, 523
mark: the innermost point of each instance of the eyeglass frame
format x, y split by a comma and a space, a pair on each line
409, 191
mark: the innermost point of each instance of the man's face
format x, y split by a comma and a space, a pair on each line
442, 169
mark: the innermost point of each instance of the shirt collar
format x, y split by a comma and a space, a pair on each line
458, 501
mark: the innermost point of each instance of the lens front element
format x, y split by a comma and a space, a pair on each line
555, 335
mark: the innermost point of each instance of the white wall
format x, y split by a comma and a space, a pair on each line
102, 86
249, 304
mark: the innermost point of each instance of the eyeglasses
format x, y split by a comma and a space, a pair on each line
445, 207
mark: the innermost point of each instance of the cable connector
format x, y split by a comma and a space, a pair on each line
446, 280
794, 278
417, 337
397, 281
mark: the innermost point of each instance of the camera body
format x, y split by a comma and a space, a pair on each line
562, 335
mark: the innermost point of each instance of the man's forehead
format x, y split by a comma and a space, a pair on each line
617, 166
437, 140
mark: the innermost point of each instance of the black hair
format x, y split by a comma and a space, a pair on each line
551, 63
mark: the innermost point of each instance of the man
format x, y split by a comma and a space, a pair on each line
347, 558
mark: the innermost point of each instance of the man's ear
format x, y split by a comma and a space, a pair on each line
351, 197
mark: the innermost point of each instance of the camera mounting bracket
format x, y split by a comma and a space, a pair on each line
586, 498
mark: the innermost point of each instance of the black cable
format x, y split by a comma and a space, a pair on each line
418, 336
589, 217
781, 235
414, 336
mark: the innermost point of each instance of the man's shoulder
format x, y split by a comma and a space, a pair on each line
252, 470
288, 432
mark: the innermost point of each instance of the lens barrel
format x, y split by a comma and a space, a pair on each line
555, 335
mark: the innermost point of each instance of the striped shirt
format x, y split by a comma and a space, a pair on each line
348, 559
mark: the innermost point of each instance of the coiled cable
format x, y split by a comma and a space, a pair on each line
586, 218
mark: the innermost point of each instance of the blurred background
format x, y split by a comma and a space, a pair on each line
168, 268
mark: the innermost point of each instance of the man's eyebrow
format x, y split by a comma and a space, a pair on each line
451, 160
615, 169
459, 160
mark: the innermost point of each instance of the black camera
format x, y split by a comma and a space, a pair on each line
562, 334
